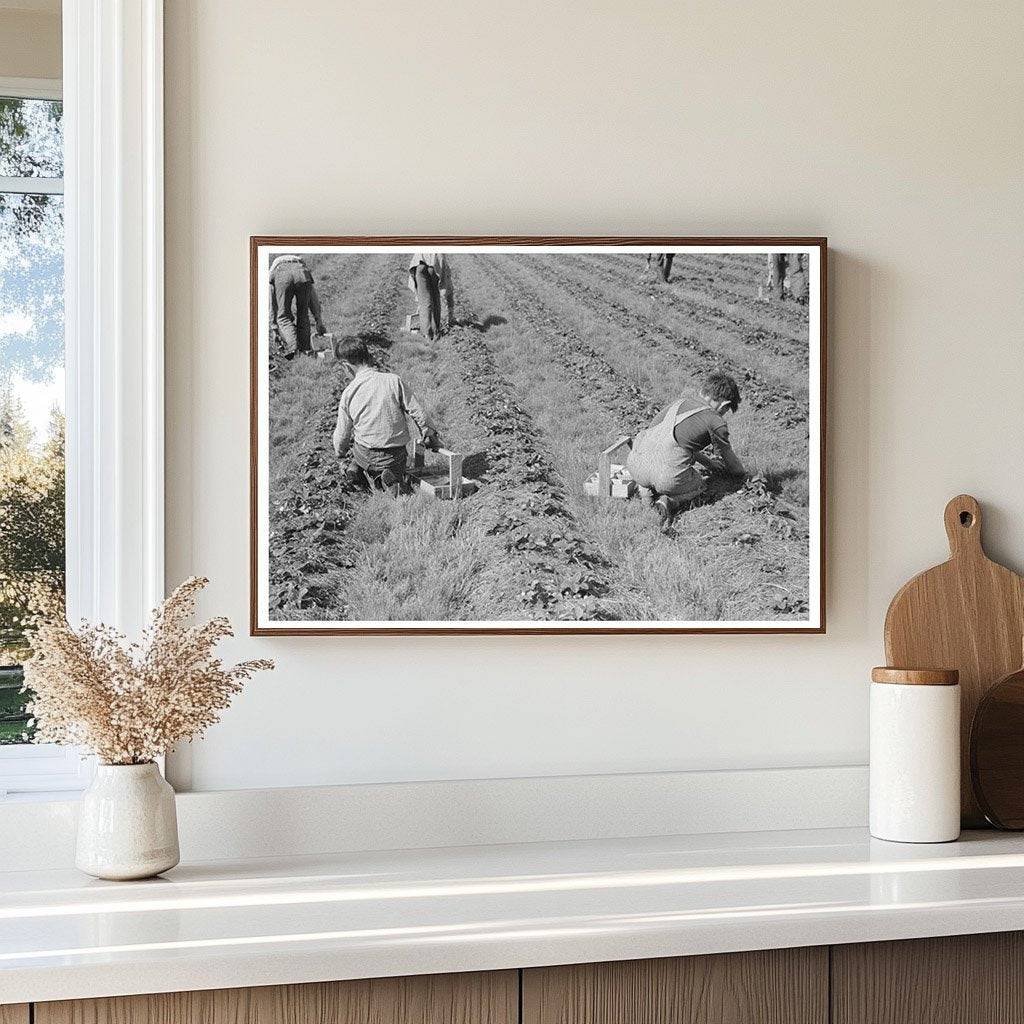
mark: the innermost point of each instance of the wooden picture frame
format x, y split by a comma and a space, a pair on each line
719, 251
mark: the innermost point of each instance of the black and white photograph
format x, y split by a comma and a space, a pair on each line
525, 435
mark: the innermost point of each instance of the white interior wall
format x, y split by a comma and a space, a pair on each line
897, 130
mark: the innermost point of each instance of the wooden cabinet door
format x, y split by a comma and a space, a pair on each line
961, 979
14, 1013
482, 998
778, 986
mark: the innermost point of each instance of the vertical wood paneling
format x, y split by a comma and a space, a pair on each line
963, 979
780, 986
481, 998
14, 1013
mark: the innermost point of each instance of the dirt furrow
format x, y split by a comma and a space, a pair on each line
308, 553
740, 271
713, 279
524, 501
708, 276
593, 376
773, 397
712, 315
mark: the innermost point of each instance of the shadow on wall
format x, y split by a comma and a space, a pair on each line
853, 285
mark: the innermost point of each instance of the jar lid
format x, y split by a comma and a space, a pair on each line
916, 676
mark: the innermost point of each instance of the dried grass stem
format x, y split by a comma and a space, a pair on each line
129, 703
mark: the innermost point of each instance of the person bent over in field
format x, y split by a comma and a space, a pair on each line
663, 262
798, 277
664, 457
293, 297
430, 275
786, 277
373, 420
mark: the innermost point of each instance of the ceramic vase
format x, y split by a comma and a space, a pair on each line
127, 825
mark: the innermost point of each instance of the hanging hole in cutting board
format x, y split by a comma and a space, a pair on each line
966, 519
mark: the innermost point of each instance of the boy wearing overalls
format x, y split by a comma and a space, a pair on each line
664, 456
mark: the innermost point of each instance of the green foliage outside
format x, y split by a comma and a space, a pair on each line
31, 548
31, 353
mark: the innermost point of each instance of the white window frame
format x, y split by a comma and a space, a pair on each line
114, 334
43, 767
31, 89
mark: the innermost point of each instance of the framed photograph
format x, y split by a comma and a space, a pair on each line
537, 435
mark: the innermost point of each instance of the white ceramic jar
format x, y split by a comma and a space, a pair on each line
915, 755
127, 824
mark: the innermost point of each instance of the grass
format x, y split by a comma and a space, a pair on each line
422, 559
13, 732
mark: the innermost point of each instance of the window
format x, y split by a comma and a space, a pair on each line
107, 143
32, 488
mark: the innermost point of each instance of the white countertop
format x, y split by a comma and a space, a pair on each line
261, 922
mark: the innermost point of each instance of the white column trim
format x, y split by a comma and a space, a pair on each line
113, 104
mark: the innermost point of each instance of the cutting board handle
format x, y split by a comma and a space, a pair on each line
963, 526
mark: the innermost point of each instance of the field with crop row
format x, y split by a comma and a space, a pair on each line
552, 359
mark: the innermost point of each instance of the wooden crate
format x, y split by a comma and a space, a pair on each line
445, 484
622, 485
612, 479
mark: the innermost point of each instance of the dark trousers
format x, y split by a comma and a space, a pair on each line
798, 282
383, 468
428, 301
663, 261
290, 302
776, 274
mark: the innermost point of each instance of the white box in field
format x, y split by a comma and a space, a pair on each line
622, 484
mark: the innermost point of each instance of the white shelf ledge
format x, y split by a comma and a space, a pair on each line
353, 915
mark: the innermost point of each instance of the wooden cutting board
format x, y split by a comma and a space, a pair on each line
997, 752
967, 614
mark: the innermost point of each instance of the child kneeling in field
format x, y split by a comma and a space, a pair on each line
373, 417
664, 456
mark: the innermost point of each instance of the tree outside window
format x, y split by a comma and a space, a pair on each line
32, 554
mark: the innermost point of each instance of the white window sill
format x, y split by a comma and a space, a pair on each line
42, 771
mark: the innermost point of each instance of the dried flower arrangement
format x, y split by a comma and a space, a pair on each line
130, 703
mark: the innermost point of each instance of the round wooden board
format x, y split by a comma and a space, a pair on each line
997, 753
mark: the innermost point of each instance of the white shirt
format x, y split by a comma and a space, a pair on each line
374, 411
